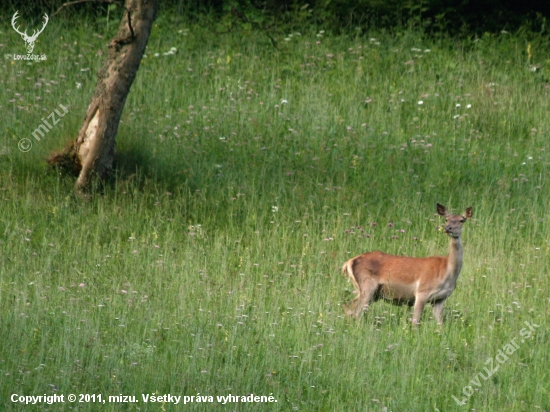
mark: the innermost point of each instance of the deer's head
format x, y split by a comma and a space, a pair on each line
453, 223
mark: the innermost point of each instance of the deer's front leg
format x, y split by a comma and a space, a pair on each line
419, 303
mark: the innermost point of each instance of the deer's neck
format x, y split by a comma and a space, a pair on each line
454, 260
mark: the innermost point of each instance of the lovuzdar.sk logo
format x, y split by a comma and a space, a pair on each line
29, 40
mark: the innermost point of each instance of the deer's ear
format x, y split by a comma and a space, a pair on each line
468, 213
441, 210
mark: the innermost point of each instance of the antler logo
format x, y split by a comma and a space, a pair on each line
29, 40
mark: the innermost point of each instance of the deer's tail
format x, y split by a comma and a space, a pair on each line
347, 269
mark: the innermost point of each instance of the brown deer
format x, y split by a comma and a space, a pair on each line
408, 280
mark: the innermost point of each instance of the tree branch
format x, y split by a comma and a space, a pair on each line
245, 19
126, 40
240, 16
72, 3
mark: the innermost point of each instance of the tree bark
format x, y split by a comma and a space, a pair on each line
91, 154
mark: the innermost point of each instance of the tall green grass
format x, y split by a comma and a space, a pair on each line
246, 175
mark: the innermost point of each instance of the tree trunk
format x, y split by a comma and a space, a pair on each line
92, 153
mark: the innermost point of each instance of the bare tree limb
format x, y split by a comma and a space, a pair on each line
245, 19
126, 40
239, 15
72, 3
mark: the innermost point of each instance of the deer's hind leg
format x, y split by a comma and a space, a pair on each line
438, 311
349, 308
367, 290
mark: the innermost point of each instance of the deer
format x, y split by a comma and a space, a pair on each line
409, 280
29, 40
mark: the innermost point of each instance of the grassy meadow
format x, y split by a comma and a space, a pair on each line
246, 176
